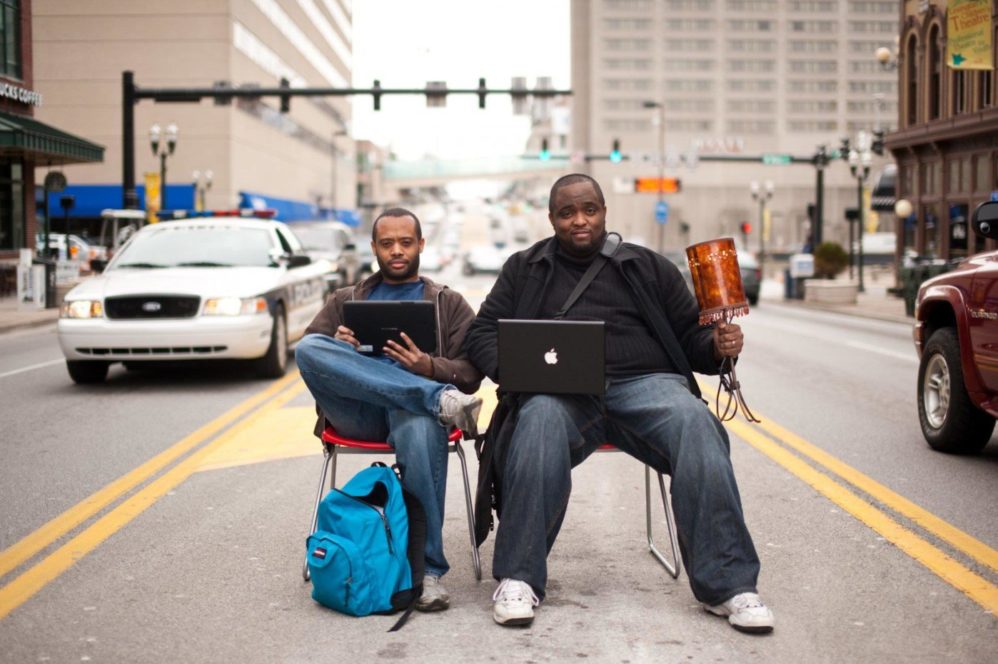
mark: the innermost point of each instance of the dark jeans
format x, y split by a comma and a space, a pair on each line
375, 398
655, 419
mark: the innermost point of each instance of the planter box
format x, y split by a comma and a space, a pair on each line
828, 291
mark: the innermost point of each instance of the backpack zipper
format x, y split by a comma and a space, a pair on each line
381, 513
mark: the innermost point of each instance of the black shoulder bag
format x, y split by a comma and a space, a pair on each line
488, 493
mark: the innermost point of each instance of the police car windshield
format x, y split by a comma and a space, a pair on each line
198, 246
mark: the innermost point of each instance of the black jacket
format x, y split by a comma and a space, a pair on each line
658, 288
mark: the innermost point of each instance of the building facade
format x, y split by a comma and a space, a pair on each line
946, 144
25, 142
732, 79
299, 161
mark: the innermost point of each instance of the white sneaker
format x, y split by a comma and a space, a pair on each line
434, 597
460, 410
746, 613
514, 603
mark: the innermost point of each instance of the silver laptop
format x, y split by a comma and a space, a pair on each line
552, 356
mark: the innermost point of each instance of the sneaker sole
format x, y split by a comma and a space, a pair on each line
437, 604
761, 629
513, 622
469, 419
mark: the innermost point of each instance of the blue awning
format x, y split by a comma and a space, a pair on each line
290, 210
90, 199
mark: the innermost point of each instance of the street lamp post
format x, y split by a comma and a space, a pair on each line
202, 187
762, 194
859, 158
660, 120
156, 136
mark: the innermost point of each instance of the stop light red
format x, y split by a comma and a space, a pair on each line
746, 227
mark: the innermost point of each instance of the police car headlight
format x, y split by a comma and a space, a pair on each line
82, 309
234, 306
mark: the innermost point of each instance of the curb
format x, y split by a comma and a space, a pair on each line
846, 310
24, 325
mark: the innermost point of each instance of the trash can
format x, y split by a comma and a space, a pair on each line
49, 264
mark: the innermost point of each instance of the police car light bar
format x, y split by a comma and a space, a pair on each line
166, 215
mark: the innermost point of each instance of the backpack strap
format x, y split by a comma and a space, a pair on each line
608, 249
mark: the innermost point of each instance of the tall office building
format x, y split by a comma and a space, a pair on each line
294, 161
731, 78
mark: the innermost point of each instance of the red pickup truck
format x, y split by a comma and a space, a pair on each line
956, 336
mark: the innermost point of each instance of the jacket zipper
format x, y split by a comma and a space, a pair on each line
381, 513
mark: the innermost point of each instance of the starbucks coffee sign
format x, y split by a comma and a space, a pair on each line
23, 95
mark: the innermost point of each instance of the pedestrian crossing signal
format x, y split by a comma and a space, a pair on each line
657, 185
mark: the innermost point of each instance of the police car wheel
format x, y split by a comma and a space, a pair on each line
87, 372
275, 363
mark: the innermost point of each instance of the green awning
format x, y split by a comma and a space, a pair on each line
44, 144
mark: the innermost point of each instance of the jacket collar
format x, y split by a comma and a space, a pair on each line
430, 288
544, 251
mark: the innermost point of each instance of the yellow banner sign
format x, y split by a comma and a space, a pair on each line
152, 196
968, 27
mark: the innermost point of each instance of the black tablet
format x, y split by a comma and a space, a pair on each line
374, 322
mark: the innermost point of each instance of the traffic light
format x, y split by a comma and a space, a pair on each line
545, 153
285, 99
746, 228
878, 142
615, 155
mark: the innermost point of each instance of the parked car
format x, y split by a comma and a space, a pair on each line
748, 268
956, 336
333, 241
71, 248
483, 258
212, 288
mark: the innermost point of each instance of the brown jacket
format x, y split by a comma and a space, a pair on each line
454, 316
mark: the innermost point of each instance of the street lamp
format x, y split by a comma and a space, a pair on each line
156, 134
762, 194
888, 59
202, 187
660, 120
859, 158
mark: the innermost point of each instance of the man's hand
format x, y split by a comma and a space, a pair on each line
344, 333
409, 356
728, 340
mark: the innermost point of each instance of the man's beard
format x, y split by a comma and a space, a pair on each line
411, 271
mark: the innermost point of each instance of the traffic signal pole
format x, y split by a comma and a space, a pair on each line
131, 94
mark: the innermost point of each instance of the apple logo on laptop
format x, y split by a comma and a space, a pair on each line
551, 357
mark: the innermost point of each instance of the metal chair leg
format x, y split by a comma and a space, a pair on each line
475, 560
671, 567
330, 459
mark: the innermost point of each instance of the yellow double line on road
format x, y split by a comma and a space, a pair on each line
937, 561
23, 587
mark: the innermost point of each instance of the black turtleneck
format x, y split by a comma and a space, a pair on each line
630, 346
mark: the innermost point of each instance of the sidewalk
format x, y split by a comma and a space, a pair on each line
15, 317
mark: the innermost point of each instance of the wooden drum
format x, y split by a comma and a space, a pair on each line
717, 280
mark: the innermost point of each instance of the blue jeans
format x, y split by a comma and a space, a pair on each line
655, 419
375, 398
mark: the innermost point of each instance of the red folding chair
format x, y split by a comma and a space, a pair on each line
672, 567
333, 443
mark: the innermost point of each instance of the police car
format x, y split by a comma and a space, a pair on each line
220, 285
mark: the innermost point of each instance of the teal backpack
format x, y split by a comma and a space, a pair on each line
366, 555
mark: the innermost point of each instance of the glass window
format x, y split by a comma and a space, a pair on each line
10, 33
192, 245
11, 206
981, 175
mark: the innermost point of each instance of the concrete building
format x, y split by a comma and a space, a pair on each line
945, 143
732, 79
296, 161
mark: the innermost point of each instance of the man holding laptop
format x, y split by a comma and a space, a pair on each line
372, 381
646, 404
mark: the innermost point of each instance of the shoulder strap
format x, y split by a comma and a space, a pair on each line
609, 249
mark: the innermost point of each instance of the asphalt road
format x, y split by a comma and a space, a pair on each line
162, 516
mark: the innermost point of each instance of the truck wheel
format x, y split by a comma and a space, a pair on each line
950, 420
275, 363
87, 372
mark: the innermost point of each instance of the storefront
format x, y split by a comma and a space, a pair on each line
25, 143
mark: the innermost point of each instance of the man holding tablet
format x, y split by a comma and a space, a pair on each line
398, 392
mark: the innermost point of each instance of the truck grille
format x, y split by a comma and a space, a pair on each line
152, 306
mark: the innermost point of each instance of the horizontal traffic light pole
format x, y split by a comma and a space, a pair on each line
132, 94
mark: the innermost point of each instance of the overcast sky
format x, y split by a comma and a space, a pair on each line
405, 43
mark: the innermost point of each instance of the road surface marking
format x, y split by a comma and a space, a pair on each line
32, 367
907, 357
23, 587
949, 570
27, 547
